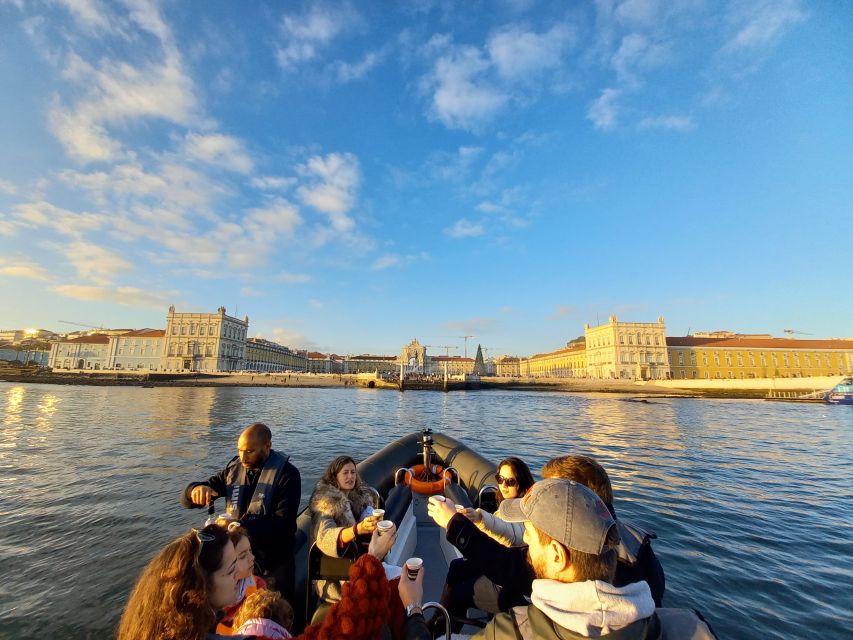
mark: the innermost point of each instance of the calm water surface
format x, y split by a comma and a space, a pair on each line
751, 500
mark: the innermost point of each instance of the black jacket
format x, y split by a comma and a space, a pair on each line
271, 535
507, 566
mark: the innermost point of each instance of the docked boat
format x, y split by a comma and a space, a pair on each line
842, 393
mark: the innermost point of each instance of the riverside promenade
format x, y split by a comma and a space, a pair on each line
725, 388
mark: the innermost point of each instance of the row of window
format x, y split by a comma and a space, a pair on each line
807, 359
234, 333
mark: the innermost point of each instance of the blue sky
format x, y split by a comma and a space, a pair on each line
355, 175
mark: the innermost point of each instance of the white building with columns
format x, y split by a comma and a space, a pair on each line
204, 342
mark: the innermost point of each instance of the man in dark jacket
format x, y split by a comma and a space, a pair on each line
262, 489
572, 541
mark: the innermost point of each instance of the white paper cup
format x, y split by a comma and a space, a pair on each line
438, 498
383, 527
460, 508
413, 566
378, 513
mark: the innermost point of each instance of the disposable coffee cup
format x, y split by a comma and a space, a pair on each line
413, 566
438, 498
460, 508
378, 513
383, 527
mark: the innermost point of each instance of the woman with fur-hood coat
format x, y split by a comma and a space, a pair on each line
341, 508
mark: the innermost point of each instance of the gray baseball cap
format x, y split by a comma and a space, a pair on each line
567, 511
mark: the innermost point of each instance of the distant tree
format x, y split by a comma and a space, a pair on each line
479, 363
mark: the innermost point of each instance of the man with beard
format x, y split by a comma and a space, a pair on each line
262, 489
572, 542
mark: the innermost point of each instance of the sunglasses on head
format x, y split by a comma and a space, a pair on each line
509, 482
202, 537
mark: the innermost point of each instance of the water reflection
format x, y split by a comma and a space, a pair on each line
711, 477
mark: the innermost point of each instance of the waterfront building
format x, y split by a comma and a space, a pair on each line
506, 366
627, 350
456, 365
139, 350
739, 356
263, 355
366, 363
207, 342
569, 362
84, 352
324, 363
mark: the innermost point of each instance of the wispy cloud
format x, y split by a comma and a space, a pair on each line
8, 187
471, 326
352, 71
394, 260
761, 24
219, 150
21, 267
333, 182
316, 304
305, 35
673, 123
464, 228
563, 311
127, 296
95, 263
521, 54
604, 110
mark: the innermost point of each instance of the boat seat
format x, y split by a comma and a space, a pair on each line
397, 503
457, 495
323, 567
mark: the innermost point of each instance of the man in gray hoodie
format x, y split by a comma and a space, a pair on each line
572, 543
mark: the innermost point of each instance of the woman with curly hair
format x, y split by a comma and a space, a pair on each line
181, 590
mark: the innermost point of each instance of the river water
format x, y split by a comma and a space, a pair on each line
751, 500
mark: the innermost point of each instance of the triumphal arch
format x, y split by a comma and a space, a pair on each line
413, 356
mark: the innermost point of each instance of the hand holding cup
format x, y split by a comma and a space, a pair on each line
441, 510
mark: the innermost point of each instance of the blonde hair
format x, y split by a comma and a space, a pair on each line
265, 604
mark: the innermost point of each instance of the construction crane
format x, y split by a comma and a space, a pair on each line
791, 332
465, 338
446, 348
80, 324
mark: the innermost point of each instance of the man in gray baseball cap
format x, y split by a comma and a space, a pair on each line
572, 543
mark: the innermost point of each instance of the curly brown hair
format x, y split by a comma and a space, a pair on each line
170, 598
265, 604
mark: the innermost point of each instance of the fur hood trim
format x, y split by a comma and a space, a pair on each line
329, 501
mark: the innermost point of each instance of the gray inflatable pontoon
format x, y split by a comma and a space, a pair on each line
468, 479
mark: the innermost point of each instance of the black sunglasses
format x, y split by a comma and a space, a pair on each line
509, 482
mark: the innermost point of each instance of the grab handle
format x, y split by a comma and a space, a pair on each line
443, 611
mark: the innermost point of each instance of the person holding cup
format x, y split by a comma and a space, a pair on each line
343, 511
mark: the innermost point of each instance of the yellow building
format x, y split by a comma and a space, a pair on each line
695, 357
456, 365
507, 366
569, 362
627, 350
263, 355
366, 363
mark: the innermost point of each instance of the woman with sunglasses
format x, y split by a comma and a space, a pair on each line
182, 588
514, 480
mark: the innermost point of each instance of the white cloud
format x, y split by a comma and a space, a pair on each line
272, 183
315, 303
307, 34
385, 262
95, 263
672, 123
463, 97
35, 215
453, 166
333, 184
638, 53
763, 23
91, 14
20, 267
349, 72
604, 110
249, 292
463, 228
219, 150
7, 187
520, 54
117, 92
127, 296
